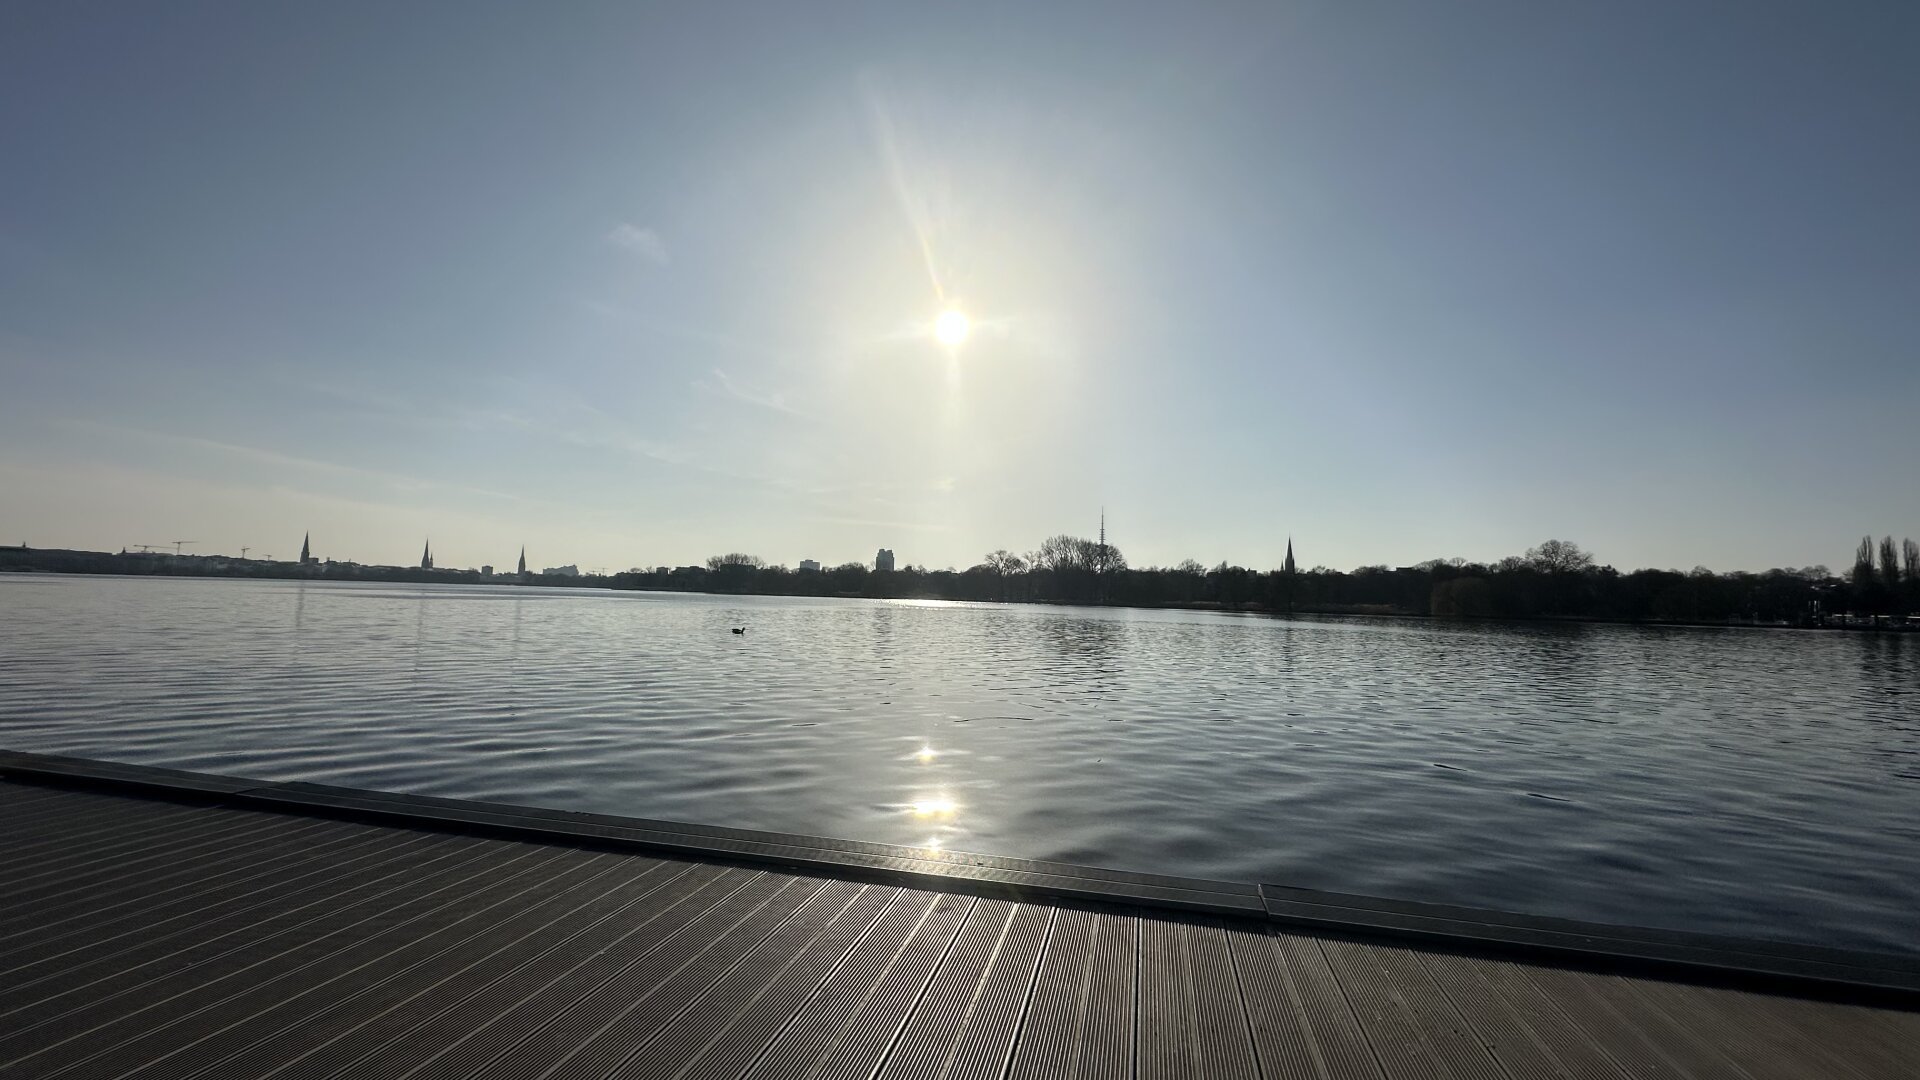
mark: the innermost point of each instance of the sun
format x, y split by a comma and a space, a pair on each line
951, 328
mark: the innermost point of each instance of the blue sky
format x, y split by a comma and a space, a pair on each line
635, 285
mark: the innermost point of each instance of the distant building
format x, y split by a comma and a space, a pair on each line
568, 570
809, 564
486, 570
426, 556
306, 550
523, 561
883, 562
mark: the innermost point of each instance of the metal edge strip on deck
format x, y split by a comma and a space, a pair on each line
1760, 964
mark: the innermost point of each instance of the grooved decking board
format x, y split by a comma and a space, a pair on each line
528, 1014
154, 904
1337, 1030
151, 901
740, 1023
359, 974
1277, 1021
1505, 1034
80, 970
45, 832
79, 864
156, 933
600, 1031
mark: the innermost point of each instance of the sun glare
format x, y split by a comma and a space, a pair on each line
951, 328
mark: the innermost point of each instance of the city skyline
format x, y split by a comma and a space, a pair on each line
885, 559
640, 286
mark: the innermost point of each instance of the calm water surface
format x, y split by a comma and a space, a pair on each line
1763, 783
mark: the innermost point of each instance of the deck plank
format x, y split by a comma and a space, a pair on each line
285, 974
78, 969
366, 979
150, 899
982, 1044
1337, 1027
886, 1000
606, 1026
145, 936
1049, 1043
770, 993
445, 1005
924, 1043
683, 901
1283, 1041
808, 1033
94, 859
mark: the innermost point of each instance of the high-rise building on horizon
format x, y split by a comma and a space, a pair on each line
809, 564
883, 562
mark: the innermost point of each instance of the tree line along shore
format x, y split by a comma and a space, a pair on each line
1555, 580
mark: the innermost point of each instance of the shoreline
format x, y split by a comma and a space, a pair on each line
257, 570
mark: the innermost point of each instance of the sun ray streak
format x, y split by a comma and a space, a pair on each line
915, 211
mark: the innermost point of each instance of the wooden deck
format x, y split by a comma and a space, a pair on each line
193, 934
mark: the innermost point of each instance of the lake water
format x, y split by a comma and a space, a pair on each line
1760, 783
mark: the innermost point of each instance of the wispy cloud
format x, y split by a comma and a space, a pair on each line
640, 240
654, 324
913, 526
745, 391
274, 459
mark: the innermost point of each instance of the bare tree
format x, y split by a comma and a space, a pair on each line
1004, 562
1863, 564
1063, 552
1001, 563
1559, 557
1889, 565
717, 563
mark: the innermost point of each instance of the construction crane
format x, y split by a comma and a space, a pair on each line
178, 544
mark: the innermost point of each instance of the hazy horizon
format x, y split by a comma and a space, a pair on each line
637, 287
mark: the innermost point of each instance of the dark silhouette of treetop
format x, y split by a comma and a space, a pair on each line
1559, 557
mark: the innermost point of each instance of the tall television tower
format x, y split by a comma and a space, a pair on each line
1105, 556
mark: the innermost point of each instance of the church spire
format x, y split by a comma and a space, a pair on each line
426, 555
1286, 582
306, 549
523, 558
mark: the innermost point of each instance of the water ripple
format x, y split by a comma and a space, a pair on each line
1754, 783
